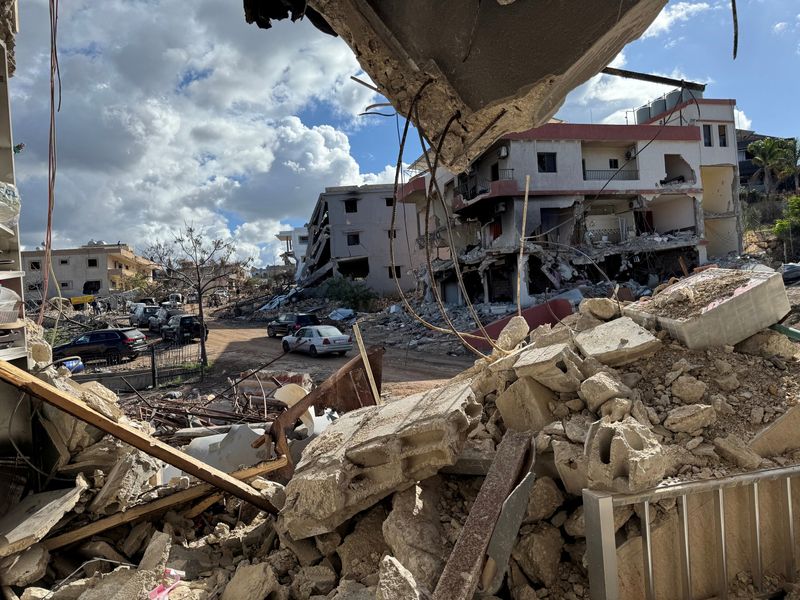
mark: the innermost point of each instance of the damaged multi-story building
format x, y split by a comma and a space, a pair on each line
630, 200
349, 236
296, 243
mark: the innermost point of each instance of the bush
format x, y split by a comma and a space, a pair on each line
788, 228
351, 294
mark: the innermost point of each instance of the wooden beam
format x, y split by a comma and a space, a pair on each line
143, 510
26, 382
365, 360
203, 505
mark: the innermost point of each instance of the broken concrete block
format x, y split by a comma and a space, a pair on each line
604, 309
311, 581
716, 307
556, 367
397, 583
779, 437
371, 452
413, 531
25, 568
733, 449
125, 482
156, 554
572, 466
250, 581
33, 518
101, 549
617, 409
271, 490
544, 500
600, 388
689, 389
728, 382
692, 417
352, 590
539, 554
547, 335
304, 550
327, 543
575, 525
139, 534
618, 342
362, 550
525, 405
100, 398
513, 334
768, 343
624, 457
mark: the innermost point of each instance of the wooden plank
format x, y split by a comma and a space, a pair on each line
80, 410
203, 505
365, 359
143, 510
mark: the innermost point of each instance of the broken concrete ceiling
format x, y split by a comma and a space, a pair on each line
501, 67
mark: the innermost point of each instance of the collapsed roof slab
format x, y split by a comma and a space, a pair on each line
501, 67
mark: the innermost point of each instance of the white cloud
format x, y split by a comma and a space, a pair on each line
673, 14
185, 114
780, 27
742, 120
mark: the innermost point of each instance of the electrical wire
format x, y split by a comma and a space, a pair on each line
48, 476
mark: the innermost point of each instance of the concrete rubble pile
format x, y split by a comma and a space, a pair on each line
380, 498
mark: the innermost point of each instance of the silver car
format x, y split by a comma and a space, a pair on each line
318, 339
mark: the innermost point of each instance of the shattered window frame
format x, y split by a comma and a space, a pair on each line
708, 138
722, 132
351, 205
613, 163
543, 162
35, 265
89, 264
354, 236
398, 272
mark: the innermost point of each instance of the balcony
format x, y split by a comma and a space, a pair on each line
607, 174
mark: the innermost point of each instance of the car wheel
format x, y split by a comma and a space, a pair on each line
270, 332
113, 357
312, 351
285, 346
342, 353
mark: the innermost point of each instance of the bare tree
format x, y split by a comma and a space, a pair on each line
195, 261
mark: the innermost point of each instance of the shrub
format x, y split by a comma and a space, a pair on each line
351, 294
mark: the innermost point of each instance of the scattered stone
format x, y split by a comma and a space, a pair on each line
397, 583
780, 436
768, 343
736, 451
525, 404
544, 501
721, 405
250, 581
728, 383
618, 342
604, 309
694, 442
513, 334
539, 554
362, 550
693, 417
572, 466
616, 409
689, 389
757, 415
310, 581
599, 388
125, 482
631, 379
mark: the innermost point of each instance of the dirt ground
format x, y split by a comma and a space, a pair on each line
234, 347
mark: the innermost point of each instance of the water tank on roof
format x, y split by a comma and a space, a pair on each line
687, 95
643, 114
657, 107
673, 98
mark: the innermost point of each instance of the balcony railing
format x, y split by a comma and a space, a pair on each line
606, 174
505, 174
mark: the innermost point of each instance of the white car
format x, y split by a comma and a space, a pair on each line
318, 339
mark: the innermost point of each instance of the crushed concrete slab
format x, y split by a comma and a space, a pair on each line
572, 466
125, 482
598, 389
369, 453
251, 581
526, 404
413, 531
780, 436
544, 500
547, 335
692, 417
556, 367
397, 583
539, 554
769, 343
733, 449
271, 490
361, 551
617, 342
624, 457
25, 568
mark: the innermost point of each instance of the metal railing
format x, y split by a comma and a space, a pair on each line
600, 532
605, 174
505, 174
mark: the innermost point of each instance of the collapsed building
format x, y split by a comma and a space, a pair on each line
349, 234
634, 199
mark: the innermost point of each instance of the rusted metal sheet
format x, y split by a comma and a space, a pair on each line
549, 312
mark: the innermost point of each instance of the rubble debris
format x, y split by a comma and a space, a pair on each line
25, 568
768, 343
556, 367
604, 309
124, 482
692, 417
397, 583
689, 389
600, 388
361, 551
618, 342
779, 437
539, 554
732, 448
545, 499
339, 475
526, 404
513, 334
572, 466
250, 581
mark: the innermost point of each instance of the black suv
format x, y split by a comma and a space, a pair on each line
289, 323
183, 328
111, 345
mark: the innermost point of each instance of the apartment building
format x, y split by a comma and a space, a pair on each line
349, 234
96, 268
632, 199
296, 244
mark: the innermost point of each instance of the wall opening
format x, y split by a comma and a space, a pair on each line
678, 170
356, 268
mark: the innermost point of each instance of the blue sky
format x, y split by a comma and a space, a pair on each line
181, 112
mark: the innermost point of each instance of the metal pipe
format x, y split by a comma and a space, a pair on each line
722, 554
790, 542
601, 549
647, 552
755, 524
686, 565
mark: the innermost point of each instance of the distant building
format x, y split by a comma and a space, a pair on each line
296, 241
747, 168
96, 268
349, 235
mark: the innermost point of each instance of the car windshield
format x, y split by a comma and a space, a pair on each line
328, 331
308, 319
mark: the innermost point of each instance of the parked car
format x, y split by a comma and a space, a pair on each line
183, 329
141, 316
289, 323
110, 344
320, 339
160, 318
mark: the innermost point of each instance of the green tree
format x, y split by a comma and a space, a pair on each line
770, 155
791, 168
788, 228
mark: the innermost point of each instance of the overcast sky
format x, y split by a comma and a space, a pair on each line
177, 111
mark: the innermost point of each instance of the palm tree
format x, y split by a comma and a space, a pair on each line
791, 168
769, 155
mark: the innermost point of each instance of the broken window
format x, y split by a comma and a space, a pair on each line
351, 205
63, 261
392, 233
723, 135
546, 162
707, 140
35, 265
389, 201
495, 172
677, 170
66, 285
353, 239
613, 163
303, 239
397, 273
92, 287
356, 268
92, 262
